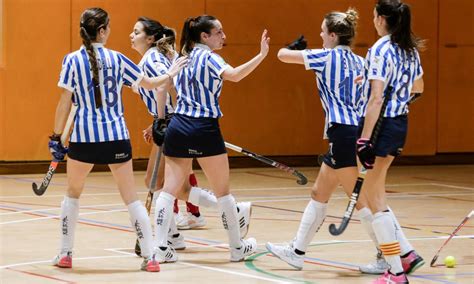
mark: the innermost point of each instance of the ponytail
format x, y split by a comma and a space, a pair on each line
192, 29
166, 43
186, 42
398, 18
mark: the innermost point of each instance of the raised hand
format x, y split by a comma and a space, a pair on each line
264, 43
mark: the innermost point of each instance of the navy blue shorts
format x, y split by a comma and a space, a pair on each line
190, 137
392, 135
342, 149
111, 152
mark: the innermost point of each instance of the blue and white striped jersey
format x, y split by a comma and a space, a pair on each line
199, 84
107, 122
335, 71
154, 64
387, 62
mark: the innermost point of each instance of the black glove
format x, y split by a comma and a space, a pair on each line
168, 118
299, 44
58, 151
158, 131
366, 153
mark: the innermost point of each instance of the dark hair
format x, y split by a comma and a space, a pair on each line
343, 25
92, 20
398, 18
192, 29
164, 37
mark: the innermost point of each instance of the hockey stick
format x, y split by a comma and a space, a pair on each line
464, 221
301, 178
151, 191
54, 164
360, 179
335, 231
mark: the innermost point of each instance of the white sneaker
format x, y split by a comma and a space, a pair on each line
244, 212
176, 241
167, 255
287, 254
249, 247
378, 267
63, 260
189, 221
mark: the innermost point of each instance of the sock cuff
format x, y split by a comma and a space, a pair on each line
317, 204
194, 195
134, 204
364, 213
71, 201
225, 199
168, 197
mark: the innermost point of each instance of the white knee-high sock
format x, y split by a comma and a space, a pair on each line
142, 226
313, 217
68, 221
162, 217
201, 197
405, 246
384, 229
173, 228
228, 211
366, 219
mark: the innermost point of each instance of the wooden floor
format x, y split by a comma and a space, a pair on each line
430, 201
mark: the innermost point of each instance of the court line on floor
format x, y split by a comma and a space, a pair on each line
41, 275
58, 208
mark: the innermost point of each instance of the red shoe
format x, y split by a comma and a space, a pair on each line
389, 278
150, 265
63, 260
412, 262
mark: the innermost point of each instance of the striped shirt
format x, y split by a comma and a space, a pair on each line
154, 64
107, 122
387, 62
335, 71
199, 84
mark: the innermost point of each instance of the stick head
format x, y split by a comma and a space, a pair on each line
433, 260
335, 231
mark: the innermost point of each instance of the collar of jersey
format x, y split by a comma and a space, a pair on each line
95, 44
386, 37
203, 46
142, 61
343, 47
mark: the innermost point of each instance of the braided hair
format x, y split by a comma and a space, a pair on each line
92, 21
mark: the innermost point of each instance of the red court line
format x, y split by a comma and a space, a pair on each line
41, 275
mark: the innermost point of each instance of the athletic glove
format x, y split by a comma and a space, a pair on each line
299, 44
58, 151
366, 153
159, 130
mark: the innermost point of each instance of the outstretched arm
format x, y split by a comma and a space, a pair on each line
290, 56
155, 82
238, 73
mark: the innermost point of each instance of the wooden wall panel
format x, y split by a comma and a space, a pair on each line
422, 133
34, 45
456, 62
275, 111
